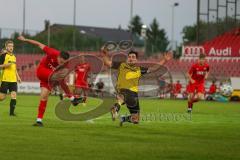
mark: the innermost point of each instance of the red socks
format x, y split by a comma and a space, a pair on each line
190, 105
41, 109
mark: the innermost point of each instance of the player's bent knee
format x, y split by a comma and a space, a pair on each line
135, 118
201, 96
120, 98
44, 94
44, 97
2, 96
190, 96
13, 95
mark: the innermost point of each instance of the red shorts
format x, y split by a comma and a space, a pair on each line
81, 84
198, 87
43, 75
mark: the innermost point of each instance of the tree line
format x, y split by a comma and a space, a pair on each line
156, 40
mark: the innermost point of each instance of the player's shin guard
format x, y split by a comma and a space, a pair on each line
13, 103
41, 109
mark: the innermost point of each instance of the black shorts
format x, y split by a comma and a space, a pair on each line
131, 100
5, 86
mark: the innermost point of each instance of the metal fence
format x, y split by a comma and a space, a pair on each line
220, 16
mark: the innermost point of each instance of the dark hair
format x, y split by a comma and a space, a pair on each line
65, 55
133, 52
202, 55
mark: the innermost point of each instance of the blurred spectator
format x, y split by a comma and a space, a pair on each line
100, 86
91, 89
220, 85
177, 89
212, 91
213, 88
161, 91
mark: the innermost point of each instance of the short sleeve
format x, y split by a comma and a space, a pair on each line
116, 65
51, 51
191, 70
2, 58
144, 70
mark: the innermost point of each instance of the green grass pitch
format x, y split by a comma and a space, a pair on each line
212, 133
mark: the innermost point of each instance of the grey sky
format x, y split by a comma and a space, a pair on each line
101, 13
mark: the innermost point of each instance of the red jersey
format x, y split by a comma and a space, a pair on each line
198, 72
212, 89
50, 60
82, 72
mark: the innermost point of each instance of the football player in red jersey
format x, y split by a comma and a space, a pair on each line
81, 79
46, 67
197, 75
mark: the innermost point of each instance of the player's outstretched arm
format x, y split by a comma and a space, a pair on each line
5, 65
3, 51
167, 56
36, 43
106, 59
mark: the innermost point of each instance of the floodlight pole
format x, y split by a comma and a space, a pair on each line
74, 25
172, 35
24, 16
131, 17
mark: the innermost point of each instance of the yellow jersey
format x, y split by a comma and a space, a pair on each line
9, 74
128, 76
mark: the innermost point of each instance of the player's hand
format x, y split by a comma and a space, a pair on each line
104, 50
168, 56
21, 38
3, 51
19, 80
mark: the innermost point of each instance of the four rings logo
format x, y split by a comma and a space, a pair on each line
192, 50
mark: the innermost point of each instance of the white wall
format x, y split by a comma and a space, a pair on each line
29, 87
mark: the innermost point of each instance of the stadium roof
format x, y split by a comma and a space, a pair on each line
106, 34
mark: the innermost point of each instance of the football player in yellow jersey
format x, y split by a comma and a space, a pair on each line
10, 76
127, 83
